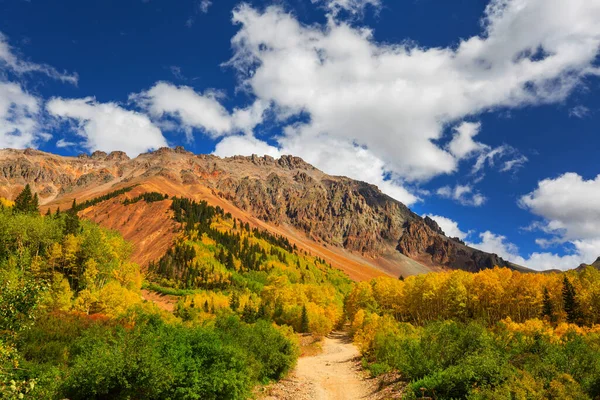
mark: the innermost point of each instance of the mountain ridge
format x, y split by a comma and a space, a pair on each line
287, 194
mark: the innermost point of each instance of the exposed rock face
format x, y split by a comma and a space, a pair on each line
427, 244
333, 210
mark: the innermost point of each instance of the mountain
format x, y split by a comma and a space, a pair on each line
350, 223
595, 264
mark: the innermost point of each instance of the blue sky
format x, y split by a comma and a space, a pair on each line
481, 114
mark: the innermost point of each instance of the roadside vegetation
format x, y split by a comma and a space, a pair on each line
495, 334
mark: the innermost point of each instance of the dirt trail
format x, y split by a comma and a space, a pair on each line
332, 375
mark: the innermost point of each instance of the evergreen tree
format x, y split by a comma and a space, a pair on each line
48, 213
547, 306
229, 263
72, 220
249, 314
35, 204
234, 301
570, 304
304, 321
262, 312
206, 306
401, 277
26, 202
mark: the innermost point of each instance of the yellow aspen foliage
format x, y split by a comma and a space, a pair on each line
60, 295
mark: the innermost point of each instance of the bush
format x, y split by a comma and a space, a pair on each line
82, 357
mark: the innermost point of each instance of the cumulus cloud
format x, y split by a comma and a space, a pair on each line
107, 126
20, 111
569, 204
449, 226
569, 207
462, 194
19, 116
197, 110
9, 60
244, 145
397, 100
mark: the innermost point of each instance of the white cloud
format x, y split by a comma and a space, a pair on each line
463, 194
462, 144
245, 145
513, 164
570, 208
198, 110
584, 252
204, 6
10, 61
61, 143
19, 116
579, 111
397, 99
497, 244
107, 126
449, 226
354, 7
569, 204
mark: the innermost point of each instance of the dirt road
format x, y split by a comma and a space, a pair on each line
332, 375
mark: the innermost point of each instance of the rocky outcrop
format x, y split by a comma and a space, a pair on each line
424, 242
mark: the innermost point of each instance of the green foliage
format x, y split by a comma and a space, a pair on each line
148, 197
100, 199
96, 359
452, 360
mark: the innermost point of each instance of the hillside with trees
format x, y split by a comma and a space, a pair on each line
73, 322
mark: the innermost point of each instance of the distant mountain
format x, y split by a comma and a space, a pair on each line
595, 264
351, 223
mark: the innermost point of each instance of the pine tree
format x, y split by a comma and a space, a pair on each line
234, 301
249, 314
570, 304
304, 321
35, 204
72, 220
229, 263
206, 306
48, 213
401, 277
547, 306
26, 202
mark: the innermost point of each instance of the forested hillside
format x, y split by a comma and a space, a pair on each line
73, 324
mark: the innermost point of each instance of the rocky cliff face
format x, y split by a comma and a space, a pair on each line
334, 210
424, 242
